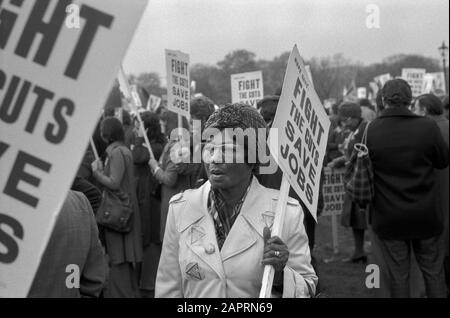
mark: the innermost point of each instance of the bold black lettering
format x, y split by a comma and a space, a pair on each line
284, 152
294, 168
42, 96
321, 131
312, 175
3, 147
301, 179
7, 100
290, 131
18, 174
313, 122
11, 116
62, 105
8, 20
49, 31
94, 19
297, 88
12, 248
308, 109
309, 194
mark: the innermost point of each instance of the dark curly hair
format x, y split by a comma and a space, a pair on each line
151, 124
201, 108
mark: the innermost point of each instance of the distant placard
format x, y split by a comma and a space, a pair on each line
54, 81
178, 83
382, 79
361, 92
434, 83
247, 88
333, 191
135, 95
414, 77
153, 102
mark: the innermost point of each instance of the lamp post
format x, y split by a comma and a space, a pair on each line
443, 50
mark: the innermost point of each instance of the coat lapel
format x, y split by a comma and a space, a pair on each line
201, 235
249, 224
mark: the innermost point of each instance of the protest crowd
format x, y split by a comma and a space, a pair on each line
407, 218
178, 195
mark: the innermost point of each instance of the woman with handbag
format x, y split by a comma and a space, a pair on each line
353, 215
118, 216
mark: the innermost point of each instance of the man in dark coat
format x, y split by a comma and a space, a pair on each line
405, 149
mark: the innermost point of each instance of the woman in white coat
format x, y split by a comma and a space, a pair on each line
216, 242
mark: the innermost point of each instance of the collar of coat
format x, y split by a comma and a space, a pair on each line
258, 205
397, 112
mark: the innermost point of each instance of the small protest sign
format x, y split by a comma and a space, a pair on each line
333, 191
178, 83
361, 92
247, 88
414, 77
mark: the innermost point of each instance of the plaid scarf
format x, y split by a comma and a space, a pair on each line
223, 214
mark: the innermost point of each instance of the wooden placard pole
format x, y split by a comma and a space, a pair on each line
123, 80
334, 233
94, 149
277, 229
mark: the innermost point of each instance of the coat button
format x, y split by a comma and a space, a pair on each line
209, 249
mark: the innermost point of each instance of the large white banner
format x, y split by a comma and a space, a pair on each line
303, 127
55, 76
414, 77
247, 88
178, 83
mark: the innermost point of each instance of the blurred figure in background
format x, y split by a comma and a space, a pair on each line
431, 106
353, 215
74, 241
173, 178
367, 110
123, 249
148, 191
201, 109
405, 215
128, 128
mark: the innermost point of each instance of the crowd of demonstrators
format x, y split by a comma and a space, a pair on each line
197, 229
353, 215
216, 241
408, 217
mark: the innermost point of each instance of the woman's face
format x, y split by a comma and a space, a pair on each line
225, 162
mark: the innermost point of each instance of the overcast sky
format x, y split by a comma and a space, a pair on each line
209, 29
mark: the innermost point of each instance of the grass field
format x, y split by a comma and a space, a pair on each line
339, 279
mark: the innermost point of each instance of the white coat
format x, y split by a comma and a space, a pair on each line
192, 266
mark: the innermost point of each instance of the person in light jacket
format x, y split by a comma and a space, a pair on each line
217, 239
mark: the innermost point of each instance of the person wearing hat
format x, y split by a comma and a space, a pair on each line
405, 149
353, 215
217, 237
